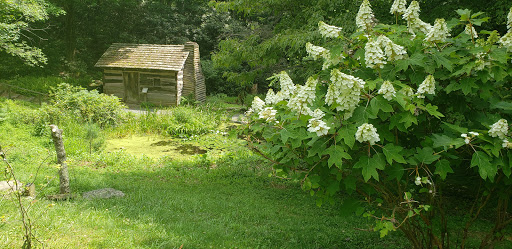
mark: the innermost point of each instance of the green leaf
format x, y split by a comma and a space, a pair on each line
464, 14
453, 86
369, 166
485, 168
401, 65
499, 54
454, 128
296, 143
417, 59
336, 155
443, 168
383, 104
347, 133
443, 61
379, 103
467, 84
466, 69
426, 155
393, 153
432, 110
446, 141
407, 119
506, 106
285, 134
499, 73
317, 148
395, 171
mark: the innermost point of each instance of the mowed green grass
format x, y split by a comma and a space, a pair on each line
168, 205
225, 202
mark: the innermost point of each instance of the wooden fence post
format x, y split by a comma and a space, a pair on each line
61, 159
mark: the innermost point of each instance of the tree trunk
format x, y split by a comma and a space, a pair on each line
61, 159
70, 35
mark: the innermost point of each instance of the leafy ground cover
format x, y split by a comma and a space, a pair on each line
223, 198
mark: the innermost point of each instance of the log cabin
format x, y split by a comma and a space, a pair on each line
156, 74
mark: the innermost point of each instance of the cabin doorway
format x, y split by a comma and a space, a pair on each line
131, 87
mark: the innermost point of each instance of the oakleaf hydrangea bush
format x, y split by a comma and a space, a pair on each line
400, 120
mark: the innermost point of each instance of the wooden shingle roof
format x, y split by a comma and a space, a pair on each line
144, 56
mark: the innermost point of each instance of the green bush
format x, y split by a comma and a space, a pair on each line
68, 101
408, 117
175, 121
191, 121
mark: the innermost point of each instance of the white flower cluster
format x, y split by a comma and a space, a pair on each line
407, 91
417, 181
344, 90
467, 139
393, 51
506, 144
318, 126
300, 98
471, 31
287, 86
273, 98
499, 129
317, 52
439, 32
387, 90
424, 180
374, 56
481, 62
256, 106
329, 31
269, 114
367, 133
509, 20
303, 96
412, 16
364, 18
398, 7
317, 113
427, 86
506, 41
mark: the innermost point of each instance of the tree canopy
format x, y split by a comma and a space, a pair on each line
18, 31
242, 42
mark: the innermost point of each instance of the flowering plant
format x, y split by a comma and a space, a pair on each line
389, 118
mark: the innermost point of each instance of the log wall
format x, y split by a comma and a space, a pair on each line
113, 83
162, 85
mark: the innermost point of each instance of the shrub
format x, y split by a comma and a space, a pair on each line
84, 105
191, 121
358, 126
176, 121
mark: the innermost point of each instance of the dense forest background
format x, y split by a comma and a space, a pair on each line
242, 42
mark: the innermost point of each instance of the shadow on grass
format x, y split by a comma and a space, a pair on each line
232, 206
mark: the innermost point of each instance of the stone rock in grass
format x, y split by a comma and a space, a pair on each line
103, 193
9, 185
